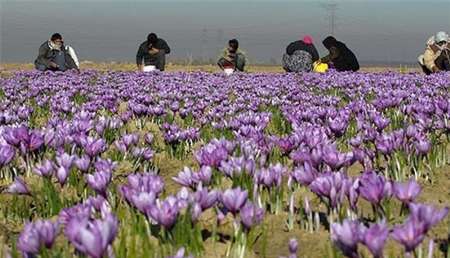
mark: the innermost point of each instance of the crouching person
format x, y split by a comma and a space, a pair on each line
55, 56
300, 56
153, 52
232, 57
437, 54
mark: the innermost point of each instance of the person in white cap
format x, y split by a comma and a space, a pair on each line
437, 54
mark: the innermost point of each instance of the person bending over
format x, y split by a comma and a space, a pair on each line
340, 56
55, 56
153, 51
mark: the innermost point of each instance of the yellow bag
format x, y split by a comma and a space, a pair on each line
320, 67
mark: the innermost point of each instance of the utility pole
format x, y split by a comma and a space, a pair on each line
331, 8
204, 41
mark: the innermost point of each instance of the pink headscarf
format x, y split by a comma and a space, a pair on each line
308, 40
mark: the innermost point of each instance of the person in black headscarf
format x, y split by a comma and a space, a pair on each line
342, 58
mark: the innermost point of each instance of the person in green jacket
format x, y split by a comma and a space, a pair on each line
232, 57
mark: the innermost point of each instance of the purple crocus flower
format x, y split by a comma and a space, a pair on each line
332, 157
406, 192
82, 210
375, 238
213, 153
92, 237
180, 254
165, 212
206, 199
423, 145
373, 187
353, 193
121, 146
196, 211
149, 138
304, 174
37, 234
384, 144
18, 187
65, 160
143, 200
141, 182
293, 247
347, 236
331, 186
29, 242
83, 163
47, 231
7, 154
316, 156
36, 140
62, 173
105, 165
93, 147
45, 168
427, 214
203, 175
14, 136
130, 139
272, 176
185, 178
99, 181
251, 215
147, 153
410, 234
234, 199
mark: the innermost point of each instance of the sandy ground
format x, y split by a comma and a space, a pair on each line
116, 66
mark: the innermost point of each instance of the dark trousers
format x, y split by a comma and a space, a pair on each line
158, 60
223, 63
235, 64
443, 62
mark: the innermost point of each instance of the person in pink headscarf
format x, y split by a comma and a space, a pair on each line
305, 44
300, 55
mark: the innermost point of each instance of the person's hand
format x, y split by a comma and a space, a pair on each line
435, 69
53, 64
153, 51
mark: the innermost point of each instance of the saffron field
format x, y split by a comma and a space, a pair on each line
193, 164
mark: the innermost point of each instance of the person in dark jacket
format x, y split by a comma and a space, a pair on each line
153, 51
342, 58
232, 57
300, 55
306, 44
55, 56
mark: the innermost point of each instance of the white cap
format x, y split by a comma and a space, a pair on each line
441, 36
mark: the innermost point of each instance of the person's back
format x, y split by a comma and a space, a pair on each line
300, 55
299, 61
340, 55
305, 44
